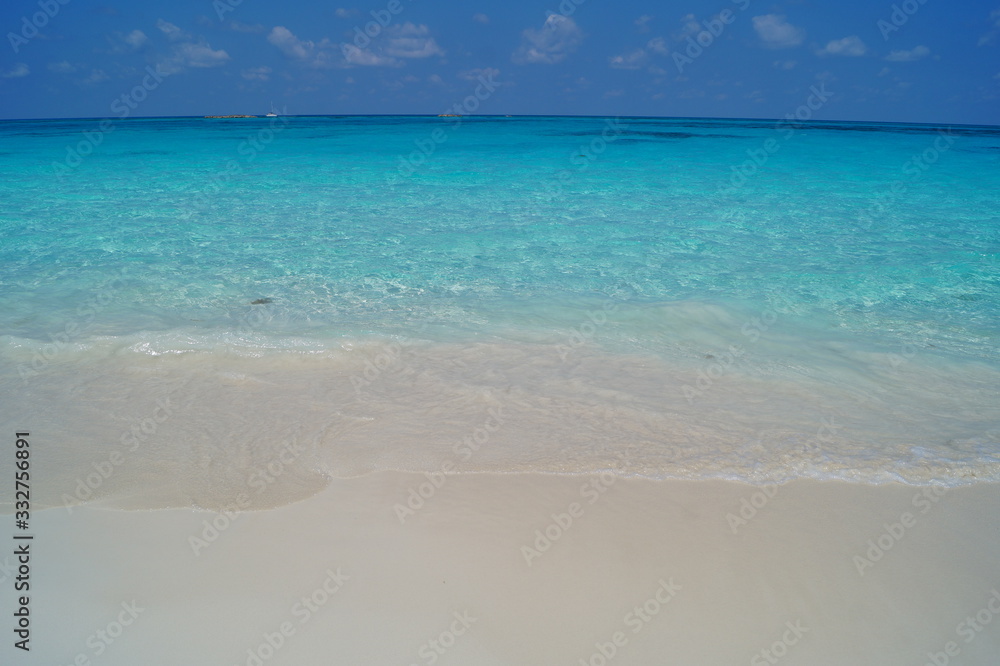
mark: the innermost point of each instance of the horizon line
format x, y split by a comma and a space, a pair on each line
495, 115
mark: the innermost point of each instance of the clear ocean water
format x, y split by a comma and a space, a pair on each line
187, 301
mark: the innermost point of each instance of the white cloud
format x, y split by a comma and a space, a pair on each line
642, 23
848, 46
640, 57
776, 32
63, 67
289, 44
658, 45
257, 73
988, 37
481, 18
411, 41
401, 41
691, 26
188, 50
172, 32
475, 74
916, 53
200, 55
784, 64
634, 60
136, 39
347, 13
96, 76
366, 58
325, 54
436, 79
127, 43
551, 44
19, 70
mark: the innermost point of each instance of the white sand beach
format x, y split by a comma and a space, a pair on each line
528, 569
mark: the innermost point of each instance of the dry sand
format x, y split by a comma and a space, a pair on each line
646, 573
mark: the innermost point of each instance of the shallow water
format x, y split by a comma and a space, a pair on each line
668, 298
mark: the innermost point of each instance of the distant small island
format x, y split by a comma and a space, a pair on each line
232, 116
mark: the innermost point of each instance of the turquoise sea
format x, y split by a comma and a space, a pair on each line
184, 299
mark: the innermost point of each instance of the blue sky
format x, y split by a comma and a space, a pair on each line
933, 61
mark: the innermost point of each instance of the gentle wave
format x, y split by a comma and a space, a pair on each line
570, 406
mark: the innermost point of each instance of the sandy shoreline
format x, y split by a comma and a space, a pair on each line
528, 569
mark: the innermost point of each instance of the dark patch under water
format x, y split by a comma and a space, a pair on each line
779, 124
653, 134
